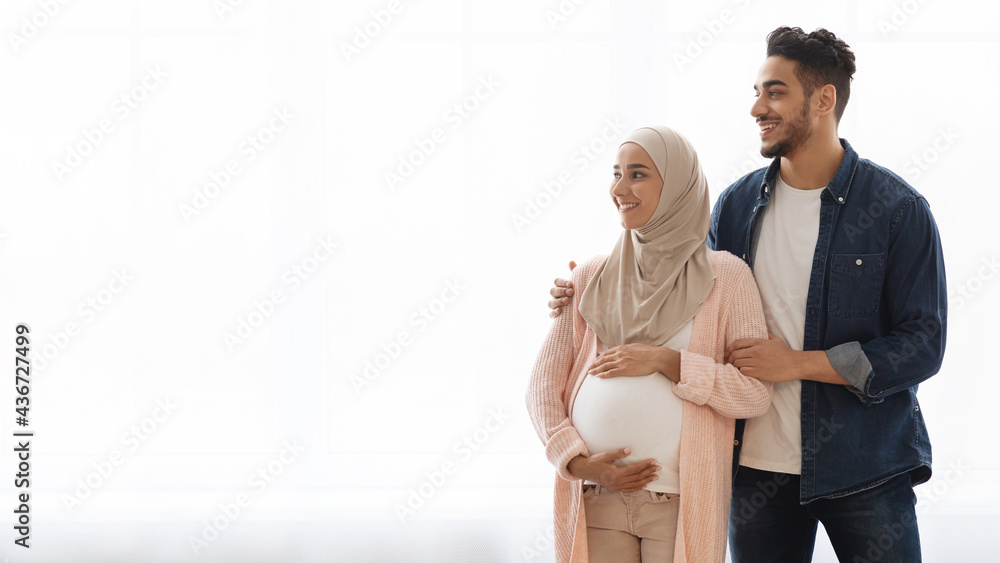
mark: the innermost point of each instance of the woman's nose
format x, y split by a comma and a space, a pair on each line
618, 188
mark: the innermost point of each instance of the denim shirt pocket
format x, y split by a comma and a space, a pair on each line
855, 285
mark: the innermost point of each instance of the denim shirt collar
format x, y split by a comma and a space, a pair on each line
838, 186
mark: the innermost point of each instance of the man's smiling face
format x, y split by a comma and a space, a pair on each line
781, 109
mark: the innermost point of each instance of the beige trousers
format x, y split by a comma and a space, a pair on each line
630, 527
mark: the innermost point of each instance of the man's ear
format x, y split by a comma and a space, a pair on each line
826, 99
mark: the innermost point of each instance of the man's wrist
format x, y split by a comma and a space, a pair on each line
813, 365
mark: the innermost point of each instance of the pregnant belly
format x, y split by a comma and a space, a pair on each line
641, 413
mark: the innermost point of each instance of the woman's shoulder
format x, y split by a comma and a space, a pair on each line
728, 264
583, 273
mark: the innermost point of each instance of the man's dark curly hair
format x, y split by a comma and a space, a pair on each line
821, 59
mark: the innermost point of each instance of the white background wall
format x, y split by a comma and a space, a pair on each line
131, 267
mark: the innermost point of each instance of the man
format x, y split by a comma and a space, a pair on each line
850, 269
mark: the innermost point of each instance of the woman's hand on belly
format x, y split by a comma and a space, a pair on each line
601, 469
629, 360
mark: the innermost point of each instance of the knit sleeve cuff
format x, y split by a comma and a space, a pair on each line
697, 378
563, 447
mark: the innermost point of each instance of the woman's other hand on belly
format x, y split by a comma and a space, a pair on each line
630, 360
601, 469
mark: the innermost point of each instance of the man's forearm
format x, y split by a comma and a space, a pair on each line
814, 365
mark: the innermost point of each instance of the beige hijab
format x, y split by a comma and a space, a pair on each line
657, 276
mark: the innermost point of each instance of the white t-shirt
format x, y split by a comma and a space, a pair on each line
641, 413
782, 266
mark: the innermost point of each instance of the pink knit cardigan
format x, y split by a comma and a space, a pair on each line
714, 395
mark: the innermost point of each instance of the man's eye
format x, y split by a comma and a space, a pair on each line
617, 175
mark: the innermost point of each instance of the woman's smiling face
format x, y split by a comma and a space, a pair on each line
636, 186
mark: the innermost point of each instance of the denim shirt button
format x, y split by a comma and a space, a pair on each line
840, 199
858, 262
736, 442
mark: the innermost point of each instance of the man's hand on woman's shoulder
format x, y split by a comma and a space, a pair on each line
561, 293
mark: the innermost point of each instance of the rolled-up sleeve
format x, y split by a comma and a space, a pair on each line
850, 362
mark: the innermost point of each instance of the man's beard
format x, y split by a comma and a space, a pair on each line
798, 133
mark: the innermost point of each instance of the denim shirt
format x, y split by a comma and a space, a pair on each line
877, 306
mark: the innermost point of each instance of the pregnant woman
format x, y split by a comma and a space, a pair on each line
629, 394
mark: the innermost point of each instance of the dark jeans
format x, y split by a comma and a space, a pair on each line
767, 523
